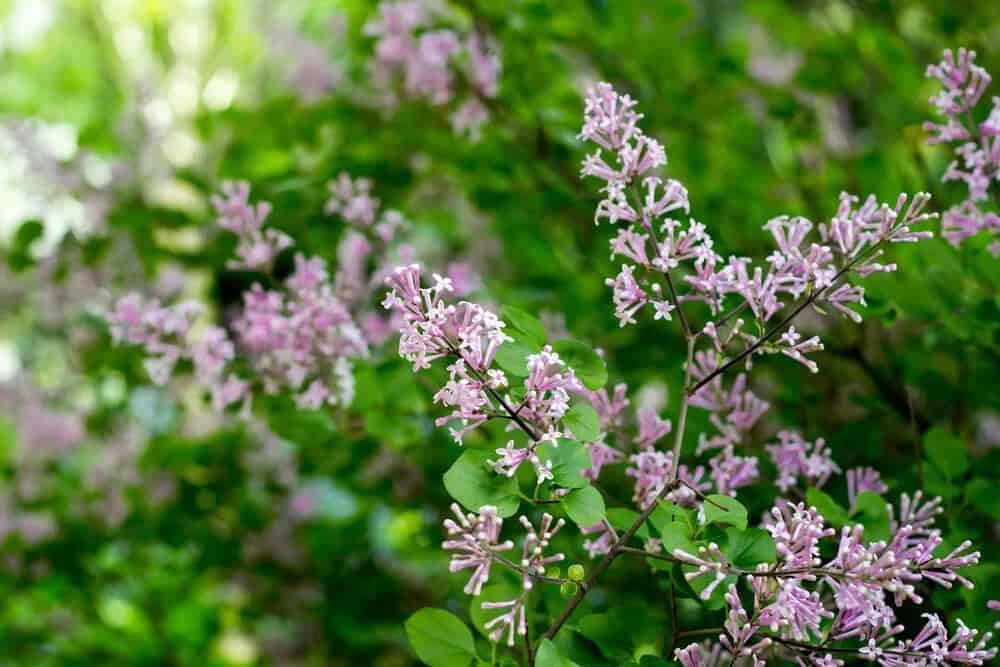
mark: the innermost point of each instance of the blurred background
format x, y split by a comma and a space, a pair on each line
141, 527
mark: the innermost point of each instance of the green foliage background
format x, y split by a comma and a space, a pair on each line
913, 392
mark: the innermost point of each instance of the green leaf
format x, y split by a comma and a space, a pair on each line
654, 661
471, 482
584, 361
750, 547
673, 536
615, 632
834, 514
530, 329
666, 513
549, 656
583, 421
947, 452
873, 515
440, 639
512, 358
569, 460
584, 506
8, 440
724, 511
981, 494
19, 255
937, 483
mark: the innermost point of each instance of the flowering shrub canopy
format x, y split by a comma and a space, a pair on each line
486, 333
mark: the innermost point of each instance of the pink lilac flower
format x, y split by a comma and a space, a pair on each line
652, 471
627, 295
512, 457
351, 199
794, 611
796, 457
738, 638
610, 408
464, 278
933, 645
474, 540
300, 337
533, 562
601, 455
976, 147
706, 654
962, 221
604, 541
651, 428
709, 561
301, 340
469, 118
797, 532
428, 63
533, 558
161, 331
483, 65
256, 247
308, 65
511, 622
547, 388
735, 410
730, 472
863, 480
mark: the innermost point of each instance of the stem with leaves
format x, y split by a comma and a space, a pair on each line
619, 546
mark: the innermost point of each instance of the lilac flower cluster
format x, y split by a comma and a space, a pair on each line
795, 457
865, 579
859, 589
431, 61
977, 147
808, 270
474, 543
470, 336
161, 330
299, 338
307, 65
805, 596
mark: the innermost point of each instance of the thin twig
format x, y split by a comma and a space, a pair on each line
698, 633
675, 300
650, 554
813, 648
527, 637
511, 412
525, 571
674, 632
682, 416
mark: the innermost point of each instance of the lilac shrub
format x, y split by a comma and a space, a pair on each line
813, 582
976, 145
300, 337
